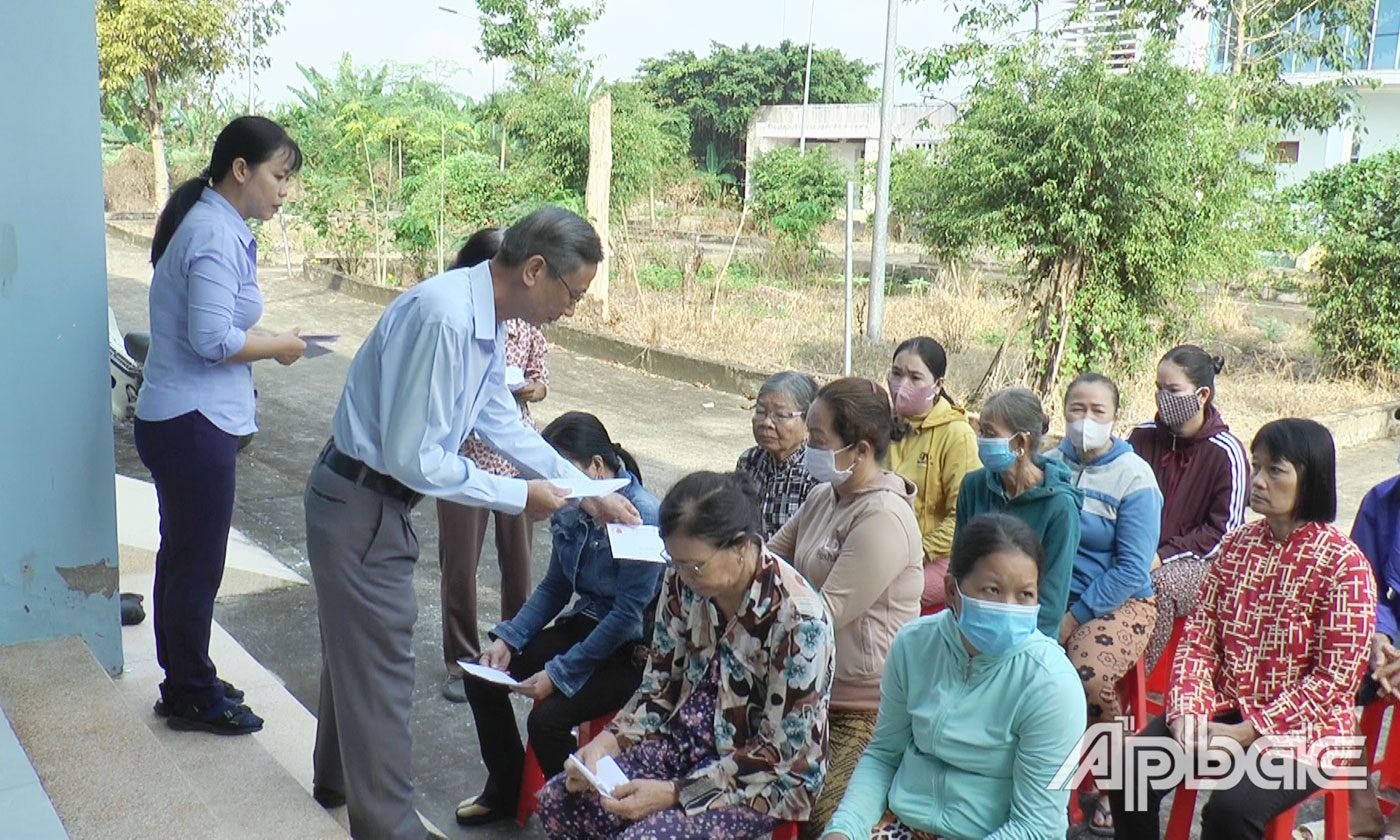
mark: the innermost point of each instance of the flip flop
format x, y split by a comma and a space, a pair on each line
1102, 811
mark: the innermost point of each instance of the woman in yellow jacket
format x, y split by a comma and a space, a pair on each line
935, 454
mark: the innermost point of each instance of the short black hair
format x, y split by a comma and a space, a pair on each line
1308, 446
580, 435
565, 240
721, 509
479, 247
985, 535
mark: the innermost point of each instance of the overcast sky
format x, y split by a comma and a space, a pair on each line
317, 32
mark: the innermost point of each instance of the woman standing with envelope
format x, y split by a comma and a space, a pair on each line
583, 665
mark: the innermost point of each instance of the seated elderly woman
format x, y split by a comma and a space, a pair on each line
978, 708
727, 734
1277, 646
778, 464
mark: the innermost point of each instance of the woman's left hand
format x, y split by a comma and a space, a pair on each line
536, 687
640, 799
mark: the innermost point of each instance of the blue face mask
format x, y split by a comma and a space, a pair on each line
993, 627
995, 454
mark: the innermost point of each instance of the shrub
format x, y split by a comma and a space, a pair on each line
1356, 209
795, 194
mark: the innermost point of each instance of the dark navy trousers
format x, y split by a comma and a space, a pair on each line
193, 464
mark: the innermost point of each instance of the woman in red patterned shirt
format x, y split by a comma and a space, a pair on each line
1280, 640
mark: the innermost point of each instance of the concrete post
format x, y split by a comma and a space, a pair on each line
879, 229
599, 190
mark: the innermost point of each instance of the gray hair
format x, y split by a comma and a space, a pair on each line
796, 386
1019, 410
565, 240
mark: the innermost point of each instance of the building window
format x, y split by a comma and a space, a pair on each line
1384, 47
1286, 151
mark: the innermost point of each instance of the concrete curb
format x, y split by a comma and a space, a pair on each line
1362, 425
721, 376
129, 237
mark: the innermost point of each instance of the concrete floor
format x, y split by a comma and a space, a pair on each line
672, 428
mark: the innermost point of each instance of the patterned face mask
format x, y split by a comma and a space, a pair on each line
1176, 410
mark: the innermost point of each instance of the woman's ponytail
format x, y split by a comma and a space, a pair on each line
255, 139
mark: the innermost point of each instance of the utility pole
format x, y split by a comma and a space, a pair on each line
252, 19
879, 230
807, 83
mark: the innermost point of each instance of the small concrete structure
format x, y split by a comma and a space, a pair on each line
850, 133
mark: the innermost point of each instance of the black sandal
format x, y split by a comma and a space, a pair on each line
162, 708
226, 719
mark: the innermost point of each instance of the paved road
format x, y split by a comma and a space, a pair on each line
672, 428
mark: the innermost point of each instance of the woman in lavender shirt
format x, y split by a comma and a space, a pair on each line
197, 400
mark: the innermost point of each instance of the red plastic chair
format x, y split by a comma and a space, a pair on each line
532, 778
933, 610
1132, 692
1159, 681
1336, 806
1387, 763
786, 831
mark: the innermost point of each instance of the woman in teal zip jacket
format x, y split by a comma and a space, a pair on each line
978, 709
1016, 479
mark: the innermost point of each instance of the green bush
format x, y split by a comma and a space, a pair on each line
795, 194
472, 191
911, 173
1356, 209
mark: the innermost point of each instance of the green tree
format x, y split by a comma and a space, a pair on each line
795, 194
1356, 209
1119, 191
1260, 39
145, 44
720, 92
536, 36
550, 122
911, 171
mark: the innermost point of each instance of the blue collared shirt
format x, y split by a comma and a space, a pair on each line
1377, 532
204, 297
432, 371
614, 593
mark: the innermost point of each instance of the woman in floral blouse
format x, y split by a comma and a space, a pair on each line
1280, 640
727, 734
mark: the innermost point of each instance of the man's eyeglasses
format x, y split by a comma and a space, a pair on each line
574, 297
761, 413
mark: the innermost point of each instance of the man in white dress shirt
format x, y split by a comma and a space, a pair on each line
431, 372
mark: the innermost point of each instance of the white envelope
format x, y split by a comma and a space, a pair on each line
483, 672
584, 488
608, 777
636, 542
515, 377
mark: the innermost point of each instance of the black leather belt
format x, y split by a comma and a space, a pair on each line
355, 470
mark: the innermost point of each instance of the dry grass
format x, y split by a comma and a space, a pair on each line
1271, 371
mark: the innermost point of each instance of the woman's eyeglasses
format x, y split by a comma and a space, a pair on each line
693, 568
761, 413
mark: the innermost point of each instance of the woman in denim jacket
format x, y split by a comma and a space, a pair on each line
583, 665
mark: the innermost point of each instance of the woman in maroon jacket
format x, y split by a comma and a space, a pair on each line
1203, 472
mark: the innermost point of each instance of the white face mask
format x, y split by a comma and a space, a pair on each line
821, 464
1088, 434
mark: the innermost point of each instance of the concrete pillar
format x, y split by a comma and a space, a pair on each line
58, 533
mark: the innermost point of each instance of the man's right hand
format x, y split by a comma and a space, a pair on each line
544, 498
496, 656
1385, 664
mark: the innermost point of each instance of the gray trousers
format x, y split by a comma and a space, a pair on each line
362, 551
